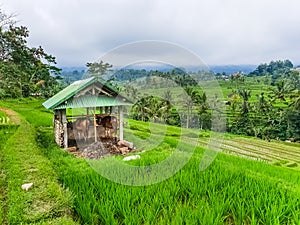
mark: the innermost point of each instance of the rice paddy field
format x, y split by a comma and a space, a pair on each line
250, 182
226, 87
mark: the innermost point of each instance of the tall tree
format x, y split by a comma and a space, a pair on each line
281, 89
23, 67
245, 94
167, 96
98, 69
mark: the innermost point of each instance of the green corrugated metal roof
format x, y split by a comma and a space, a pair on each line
64, 95
93, 101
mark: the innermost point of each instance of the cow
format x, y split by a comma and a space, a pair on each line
108, 122
81, 126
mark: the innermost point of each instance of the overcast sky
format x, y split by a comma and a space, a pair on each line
218, 31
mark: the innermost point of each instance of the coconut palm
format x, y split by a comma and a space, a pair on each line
245, 94
282, 88
167, 99
140, 108
295, 97
191, 98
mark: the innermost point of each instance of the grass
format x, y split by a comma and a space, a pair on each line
23, 162
4, 119
5, 133
232, 190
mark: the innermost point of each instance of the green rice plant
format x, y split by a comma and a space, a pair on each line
232, 190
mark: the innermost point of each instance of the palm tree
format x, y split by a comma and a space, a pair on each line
245, 94
167, 96
140, 108
154, 108
282, 88
202, 109
98, 69
131, 92
191, 98
295, 104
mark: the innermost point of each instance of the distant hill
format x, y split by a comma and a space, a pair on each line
73, 73
230, 69
73, 68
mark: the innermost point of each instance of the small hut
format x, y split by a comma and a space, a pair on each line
91, 99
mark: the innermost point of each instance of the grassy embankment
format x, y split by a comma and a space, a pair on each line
22, 161
232, 190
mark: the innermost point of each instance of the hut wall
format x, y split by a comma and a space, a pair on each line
101, 133
58, 129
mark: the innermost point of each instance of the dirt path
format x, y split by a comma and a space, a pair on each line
13, 116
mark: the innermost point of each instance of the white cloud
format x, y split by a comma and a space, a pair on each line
219, 31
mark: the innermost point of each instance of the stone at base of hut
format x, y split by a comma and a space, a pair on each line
72, 149
96, 150
103, 148
126, 143
124, 150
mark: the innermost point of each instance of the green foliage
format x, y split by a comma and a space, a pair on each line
275, 69
72, 76
271, 68
293, 121
24, 70
177, 75
98, 69
254, 108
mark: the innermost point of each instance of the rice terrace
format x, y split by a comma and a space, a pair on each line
55, 147
256, 183
148, 134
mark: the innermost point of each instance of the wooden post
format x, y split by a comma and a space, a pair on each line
121, 123
95, 126
64, 122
